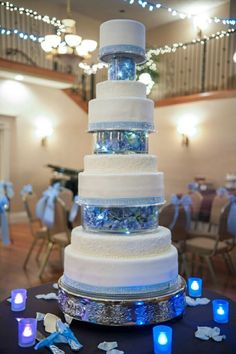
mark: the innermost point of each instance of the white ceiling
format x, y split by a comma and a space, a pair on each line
103, 10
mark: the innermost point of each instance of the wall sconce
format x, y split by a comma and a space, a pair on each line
44, 130
234, 57
200, 22
187, 130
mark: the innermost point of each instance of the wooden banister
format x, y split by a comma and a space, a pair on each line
77, 99
30, 70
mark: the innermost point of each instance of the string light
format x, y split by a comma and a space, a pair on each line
92, 69
151, 6
21, 34
31, 13
151, 53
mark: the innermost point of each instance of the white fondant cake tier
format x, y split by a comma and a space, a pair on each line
119, 88
120, 246
122, 32
121, 109
120, 163
120, 185
120, 272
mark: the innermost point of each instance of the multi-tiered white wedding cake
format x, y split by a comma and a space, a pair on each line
120, 249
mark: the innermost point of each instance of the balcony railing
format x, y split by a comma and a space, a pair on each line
26, 51
201, 67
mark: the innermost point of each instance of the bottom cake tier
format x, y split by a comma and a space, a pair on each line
121, 280
120, 264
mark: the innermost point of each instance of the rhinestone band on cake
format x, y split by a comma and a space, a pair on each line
121, 268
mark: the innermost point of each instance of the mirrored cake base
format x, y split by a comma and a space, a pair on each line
122, 310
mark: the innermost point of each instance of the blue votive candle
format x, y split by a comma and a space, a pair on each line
162, 339
220, 311
195, 287
27, 328
18, 299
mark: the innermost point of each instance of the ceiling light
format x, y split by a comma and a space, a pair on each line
68, 45
62, 48
19, 77
46, 46
82, 52
52, 40
68, 24
73, 40
89, 45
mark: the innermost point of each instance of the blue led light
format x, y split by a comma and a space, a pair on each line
22, 35
121, 142
121, 68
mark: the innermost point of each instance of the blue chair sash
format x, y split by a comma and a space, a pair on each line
186, 202
193, 186
222, 192
231, 221
4, 221
6, 188
74, 209
45, 207
27, 189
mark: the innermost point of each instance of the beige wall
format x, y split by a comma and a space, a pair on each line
183, 30
25, 104
212, 151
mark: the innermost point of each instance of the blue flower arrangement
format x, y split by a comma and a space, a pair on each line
122, 220
121, 142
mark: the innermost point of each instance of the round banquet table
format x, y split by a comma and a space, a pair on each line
132, 340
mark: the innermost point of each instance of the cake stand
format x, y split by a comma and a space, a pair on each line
122, 310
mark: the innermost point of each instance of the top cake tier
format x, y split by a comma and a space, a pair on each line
124, 38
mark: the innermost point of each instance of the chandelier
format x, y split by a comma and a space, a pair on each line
66, 44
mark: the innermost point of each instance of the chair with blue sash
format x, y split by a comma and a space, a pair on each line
6, 190
196, 199
220, 200
66, 195
177, 217
38, 231
206, 247
58, 233
4, 228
